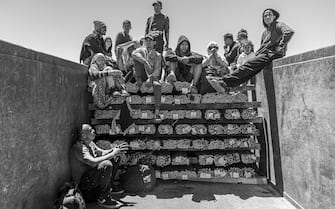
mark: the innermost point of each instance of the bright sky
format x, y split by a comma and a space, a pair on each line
58, 27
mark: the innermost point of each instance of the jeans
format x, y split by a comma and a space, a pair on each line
141, 76
250, 69
97, 181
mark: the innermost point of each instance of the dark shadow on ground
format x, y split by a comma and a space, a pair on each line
203, 191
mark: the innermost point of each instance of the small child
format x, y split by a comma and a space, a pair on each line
115, 82
215, 65
247, 53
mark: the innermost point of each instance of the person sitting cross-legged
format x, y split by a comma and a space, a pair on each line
92, 168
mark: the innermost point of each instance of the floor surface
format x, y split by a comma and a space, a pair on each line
197, 195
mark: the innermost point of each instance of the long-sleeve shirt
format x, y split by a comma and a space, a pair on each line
277, 35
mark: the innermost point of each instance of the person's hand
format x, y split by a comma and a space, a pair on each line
147, 66
185, 60
120, 148
226, 49
280, 50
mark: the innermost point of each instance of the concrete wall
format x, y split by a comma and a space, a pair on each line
42, 102
305, 102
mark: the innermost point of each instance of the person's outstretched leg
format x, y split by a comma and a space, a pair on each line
157, 95
196, 70
249, 69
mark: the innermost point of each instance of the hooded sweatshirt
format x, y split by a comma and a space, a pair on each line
194, 58
278, 34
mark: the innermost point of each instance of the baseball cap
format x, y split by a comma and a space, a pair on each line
157, 2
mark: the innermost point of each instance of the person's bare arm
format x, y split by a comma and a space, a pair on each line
93, 161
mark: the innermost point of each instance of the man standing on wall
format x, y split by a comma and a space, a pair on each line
159, 26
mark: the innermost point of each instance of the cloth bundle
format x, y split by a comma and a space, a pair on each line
102, 129
212, 115
209, 98
117, 100
133, 159
215, 129
153, 145
176, 114
169, 144
147, 88
169, 175
220, 173
106, 114
165, 129
193, 114
248, 172
231, 129
183, 129
248, 129
181, 99
215, 144
195, 98
147, 129
223, 98
104, 144
201, 144
165, 114
232, 143
167, 88
145, 114
248, 158
179, 159
232, 114
167, 99
239, 97
148, 100
135, 99
147, 159
137, 144
235, 172
199, 129
220, 160
249, 114
206, 159
182, 86
134, 130
163, 160
205, 173
183, 144
187, 174
132, 88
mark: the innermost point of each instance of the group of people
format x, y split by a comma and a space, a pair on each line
150, 62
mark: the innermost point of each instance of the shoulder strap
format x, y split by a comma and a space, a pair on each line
150, 24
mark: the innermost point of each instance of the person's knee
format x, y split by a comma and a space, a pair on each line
106, 164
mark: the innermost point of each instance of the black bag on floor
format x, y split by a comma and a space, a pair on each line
138, 178
70, 197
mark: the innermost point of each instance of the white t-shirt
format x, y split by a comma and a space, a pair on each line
243, 58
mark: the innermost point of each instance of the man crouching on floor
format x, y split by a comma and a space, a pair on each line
92, 169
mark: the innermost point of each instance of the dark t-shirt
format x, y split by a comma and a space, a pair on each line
121, 38
92, 42
158, 22
78, 161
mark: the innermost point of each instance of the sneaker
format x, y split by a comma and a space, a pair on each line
124, 93
116, 190
107, 202
116, 94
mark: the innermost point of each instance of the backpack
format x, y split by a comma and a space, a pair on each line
138, 178
69, 197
